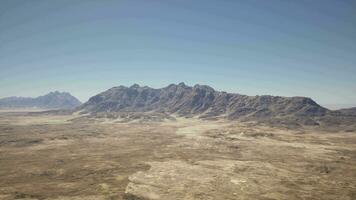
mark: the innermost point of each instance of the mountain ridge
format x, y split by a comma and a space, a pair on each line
52, 100
205, 102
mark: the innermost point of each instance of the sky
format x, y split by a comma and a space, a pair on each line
253, 47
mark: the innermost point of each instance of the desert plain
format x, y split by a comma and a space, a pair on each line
61, 156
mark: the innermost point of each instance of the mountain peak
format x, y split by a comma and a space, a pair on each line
203, 87
135, 85
182, 84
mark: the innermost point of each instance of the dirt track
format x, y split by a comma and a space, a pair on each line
51, 157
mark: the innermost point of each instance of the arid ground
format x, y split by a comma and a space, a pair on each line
44, 156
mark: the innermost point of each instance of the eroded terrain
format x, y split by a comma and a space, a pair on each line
57, 157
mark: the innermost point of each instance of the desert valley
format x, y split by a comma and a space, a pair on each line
176, 142
177, 100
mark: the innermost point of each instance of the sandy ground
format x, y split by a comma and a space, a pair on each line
57, 158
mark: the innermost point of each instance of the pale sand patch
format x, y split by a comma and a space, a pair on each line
195, 127
218, 179
93, 197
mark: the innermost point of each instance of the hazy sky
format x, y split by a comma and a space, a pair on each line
277, 47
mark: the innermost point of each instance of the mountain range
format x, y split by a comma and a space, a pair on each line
204, 102
52, 100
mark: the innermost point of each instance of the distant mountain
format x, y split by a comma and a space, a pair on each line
348, 111
205, 102
338, 106
52, 100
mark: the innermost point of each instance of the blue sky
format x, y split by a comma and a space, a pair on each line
254, 47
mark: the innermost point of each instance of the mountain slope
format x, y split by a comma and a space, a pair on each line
52, 100
205, 102
347, 111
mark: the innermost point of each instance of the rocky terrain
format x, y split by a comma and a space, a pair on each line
178, 142
204, 102
60, 156
348, 111
52, 100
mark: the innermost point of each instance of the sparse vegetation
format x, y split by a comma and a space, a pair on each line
185, 158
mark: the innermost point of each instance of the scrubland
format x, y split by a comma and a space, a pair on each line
62, 157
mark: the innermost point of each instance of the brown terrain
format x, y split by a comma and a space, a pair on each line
176, 142
64, 156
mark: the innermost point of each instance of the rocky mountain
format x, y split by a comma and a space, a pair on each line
52, 100
205, 102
